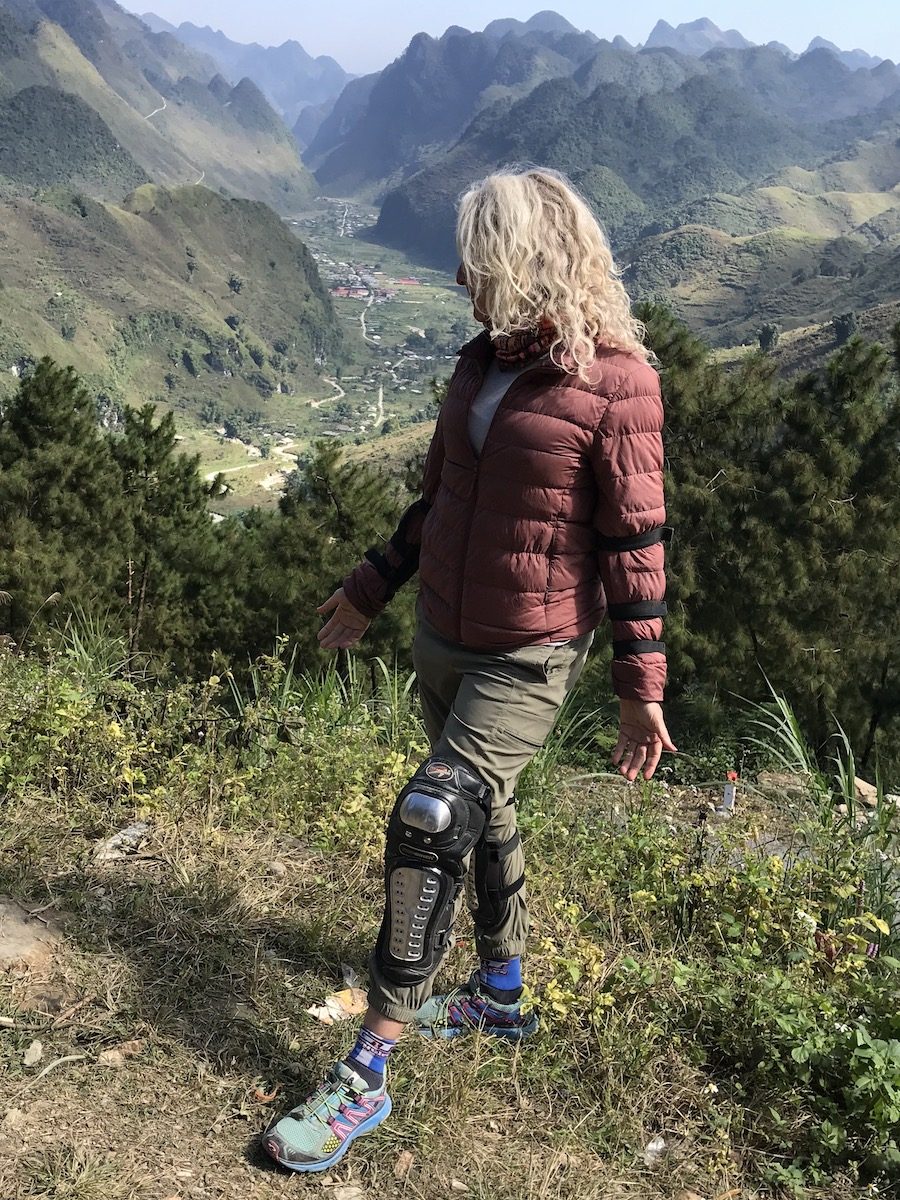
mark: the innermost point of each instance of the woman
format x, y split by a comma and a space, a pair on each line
542, 510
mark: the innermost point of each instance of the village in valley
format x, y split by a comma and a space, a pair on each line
404, 326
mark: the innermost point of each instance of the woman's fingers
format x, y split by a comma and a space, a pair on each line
332, 602
620, 747
654, 754
634, 760
335, 635
338, 635
659, 729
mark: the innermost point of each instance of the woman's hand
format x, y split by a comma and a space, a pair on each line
347, 625
642, 738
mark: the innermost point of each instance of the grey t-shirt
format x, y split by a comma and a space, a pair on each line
486, 403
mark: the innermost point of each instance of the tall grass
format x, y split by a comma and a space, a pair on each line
857, 843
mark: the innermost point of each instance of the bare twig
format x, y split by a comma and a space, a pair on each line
57, 1062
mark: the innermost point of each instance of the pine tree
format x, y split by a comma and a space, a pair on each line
172, 556
62, 515
785, 500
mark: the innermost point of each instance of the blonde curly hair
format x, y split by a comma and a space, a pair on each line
531, 250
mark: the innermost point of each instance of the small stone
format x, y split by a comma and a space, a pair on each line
116, 1056
866, 793
111, 1058
13, 1118
120, 845
403, 1164
457, 1185
688, 1194
654, 1151
277, 868
24, 941
33, 1054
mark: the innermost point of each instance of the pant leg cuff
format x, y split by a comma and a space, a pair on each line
509, 949
392, 1012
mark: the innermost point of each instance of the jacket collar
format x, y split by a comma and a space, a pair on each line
480, 348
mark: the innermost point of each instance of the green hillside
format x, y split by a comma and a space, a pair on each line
662, 147
50, 138
740, 188
206, 305
797, 250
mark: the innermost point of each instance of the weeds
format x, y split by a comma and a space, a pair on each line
693, 983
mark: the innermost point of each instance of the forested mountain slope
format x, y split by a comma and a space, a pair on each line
424, 100
741, 186
179, 296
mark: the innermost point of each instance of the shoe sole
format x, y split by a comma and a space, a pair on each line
323, 1164
447, 1032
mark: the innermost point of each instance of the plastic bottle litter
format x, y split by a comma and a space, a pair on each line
120, 845
725, 809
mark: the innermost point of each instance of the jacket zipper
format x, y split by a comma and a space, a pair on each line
478, 459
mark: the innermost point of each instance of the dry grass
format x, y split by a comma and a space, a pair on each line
207, 956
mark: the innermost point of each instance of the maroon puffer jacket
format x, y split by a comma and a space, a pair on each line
558, 521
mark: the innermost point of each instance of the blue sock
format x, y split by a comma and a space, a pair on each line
501, 974
369, 1056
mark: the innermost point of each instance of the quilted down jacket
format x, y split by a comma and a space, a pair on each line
556, 525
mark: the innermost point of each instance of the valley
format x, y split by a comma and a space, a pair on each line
741, 185
402, 324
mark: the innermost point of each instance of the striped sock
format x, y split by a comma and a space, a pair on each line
369, 1056
502, 975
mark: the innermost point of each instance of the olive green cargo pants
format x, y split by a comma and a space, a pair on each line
494, 710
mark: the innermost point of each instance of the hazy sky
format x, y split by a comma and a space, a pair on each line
364, 35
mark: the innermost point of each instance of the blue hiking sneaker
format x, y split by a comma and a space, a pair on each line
470, 1007
315, 1134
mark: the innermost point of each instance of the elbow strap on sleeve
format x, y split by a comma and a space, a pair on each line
407, 553
394, 577
637, 541
638, 646
637, 610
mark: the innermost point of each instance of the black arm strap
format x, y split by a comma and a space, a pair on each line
637, 610
380, 563
638, 646
636, 541
396, 576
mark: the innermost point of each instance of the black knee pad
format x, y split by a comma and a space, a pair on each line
438, 819
493, 882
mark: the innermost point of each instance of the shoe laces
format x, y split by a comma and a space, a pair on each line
326, 1101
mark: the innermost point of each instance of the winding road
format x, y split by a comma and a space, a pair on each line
362, 321
162, 108
282, 451
340, 394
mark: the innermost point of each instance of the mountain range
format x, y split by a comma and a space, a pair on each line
165, 105
699, 37
738, 182
773, 171
128, 249
289, 78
